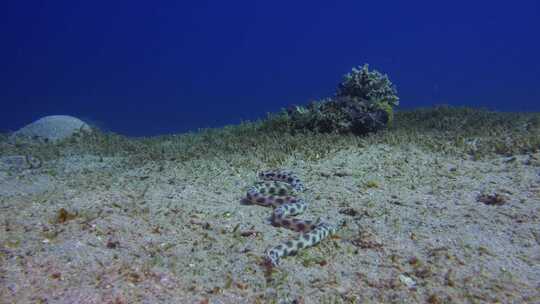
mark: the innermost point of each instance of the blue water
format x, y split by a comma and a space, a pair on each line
147, 68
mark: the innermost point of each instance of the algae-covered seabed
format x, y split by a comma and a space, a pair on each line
441, 208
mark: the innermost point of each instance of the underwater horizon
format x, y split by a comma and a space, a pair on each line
142, 69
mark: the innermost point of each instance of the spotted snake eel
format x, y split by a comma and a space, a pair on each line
277, 189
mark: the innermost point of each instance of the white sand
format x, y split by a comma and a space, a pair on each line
178, 233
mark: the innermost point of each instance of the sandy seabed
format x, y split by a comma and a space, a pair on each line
420, 227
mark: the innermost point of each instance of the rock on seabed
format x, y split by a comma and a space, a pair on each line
51, 128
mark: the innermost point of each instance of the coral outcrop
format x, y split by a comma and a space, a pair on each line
363, 103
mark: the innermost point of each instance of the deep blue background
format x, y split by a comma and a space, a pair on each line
153, 67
